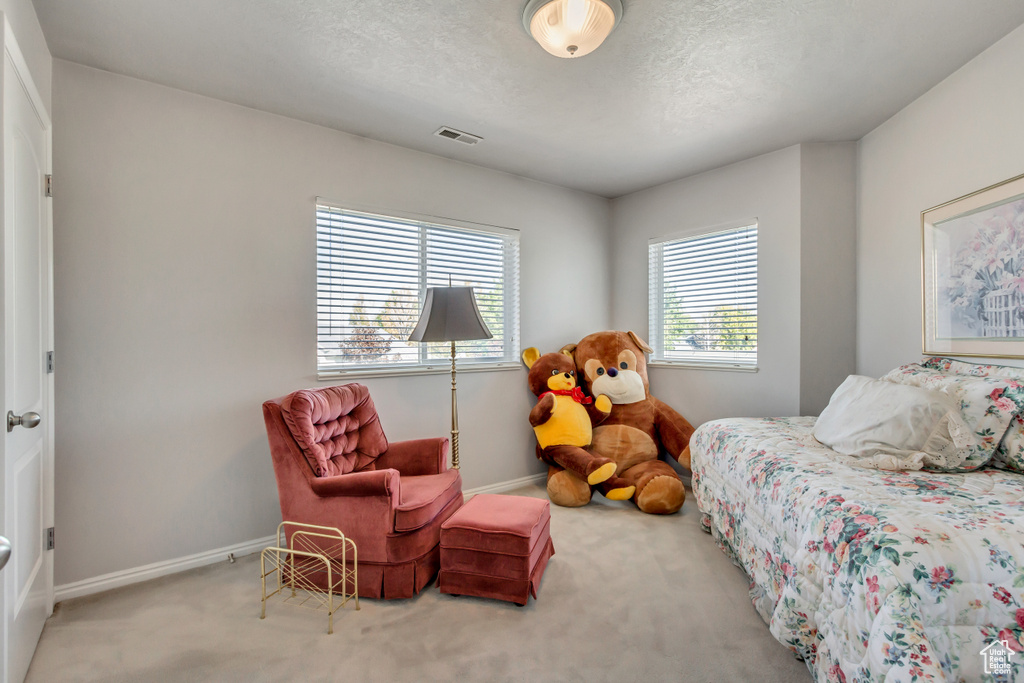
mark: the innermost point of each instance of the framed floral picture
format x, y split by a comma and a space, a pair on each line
973, 266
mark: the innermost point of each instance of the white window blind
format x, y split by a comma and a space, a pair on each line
703, 298
373, 272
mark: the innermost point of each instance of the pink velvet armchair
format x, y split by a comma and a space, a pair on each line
335, 467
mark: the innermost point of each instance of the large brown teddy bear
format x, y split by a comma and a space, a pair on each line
638, 429
563, 421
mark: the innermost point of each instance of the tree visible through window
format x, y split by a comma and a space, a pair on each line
373, 272
703, 298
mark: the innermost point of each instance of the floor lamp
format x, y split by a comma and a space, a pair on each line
450, 314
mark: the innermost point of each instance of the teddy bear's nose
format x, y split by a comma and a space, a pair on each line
612, 372
568, 376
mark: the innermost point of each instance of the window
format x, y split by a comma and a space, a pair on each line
372, 276
703, 298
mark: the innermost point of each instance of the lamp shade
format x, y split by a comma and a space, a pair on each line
450, 314
571, 28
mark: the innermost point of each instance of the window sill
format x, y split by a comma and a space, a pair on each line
440, 369
684, 365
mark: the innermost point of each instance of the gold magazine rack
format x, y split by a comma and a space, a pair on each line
311, 570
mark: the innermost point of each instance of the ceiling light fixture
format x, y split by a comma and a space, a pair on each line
571, 28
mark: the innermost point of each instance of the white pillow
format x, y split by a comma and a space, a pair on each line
882, 425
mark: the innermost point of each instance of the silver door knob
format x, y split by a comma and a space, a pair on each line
28, 420
5, 551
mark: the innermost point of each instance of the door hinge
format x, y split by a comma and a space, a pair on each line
49, 362
49, 538
48, 185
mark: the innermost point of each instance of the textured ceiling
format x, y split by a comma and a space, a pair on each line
681, 86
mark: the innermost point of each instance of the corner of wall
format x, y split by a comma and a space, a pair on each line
828, 317
609, 270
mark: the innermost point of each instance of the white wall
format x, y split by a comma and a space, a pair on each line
766, 188
184, 276
32, 44
965, 134
803, 200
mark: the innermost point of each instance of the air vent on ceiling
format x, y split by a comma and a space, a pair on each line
458, 135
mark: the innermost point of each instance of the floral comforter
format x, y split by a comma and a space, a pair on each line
869, 575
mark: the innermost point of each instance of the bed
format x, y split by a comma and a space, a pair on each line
869, 575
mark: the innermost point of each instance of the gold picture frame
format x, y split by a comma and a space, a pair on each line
973, 274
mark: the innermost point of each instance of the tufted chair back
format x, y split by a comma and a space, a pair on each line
337, 428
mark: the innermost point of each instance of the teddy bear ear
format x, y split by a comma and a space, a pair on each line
640, 342
530, 356
568, 349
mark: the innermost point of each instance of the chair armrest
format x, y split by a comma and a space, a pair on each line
416, 457
383, 482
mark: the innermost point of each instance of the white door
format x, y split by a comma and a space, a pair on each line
27, 320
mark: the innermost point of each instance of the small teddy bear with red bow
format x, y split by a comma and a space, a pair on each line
564, 418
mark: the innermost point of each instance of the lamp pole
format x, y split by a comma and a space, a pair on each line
455, 418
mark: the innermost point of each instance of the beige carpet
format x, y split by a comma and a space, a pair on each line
627, 597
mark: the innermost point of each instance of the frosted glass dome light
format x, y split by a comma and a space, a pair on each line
571, 28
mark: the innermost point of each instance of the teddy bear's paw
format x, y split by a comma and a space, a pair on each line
566, 489
603, 403
624, 493
684, 458
605, 471
662, 495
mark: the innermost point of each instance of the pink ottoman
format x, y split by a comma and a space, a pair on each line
496, 547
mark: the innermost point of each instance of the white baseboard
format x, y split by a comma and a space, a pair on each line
127, 577
503, 486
